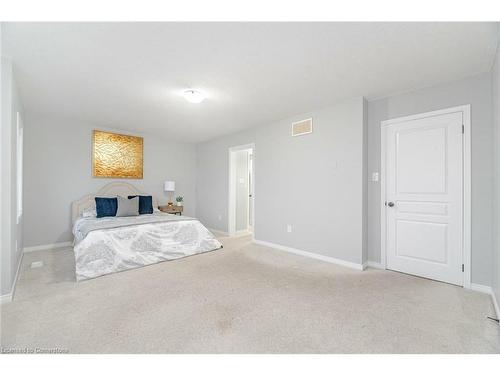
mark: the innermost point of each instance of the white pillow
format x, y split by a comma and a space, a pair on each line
89, 212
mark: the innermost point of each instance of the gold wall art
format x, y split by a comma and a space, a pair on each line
116, 155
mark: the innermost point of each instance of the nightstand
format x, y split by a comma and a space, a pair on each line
172, 209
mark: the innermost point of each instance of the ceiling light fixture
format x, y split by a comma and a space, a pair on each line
193, 96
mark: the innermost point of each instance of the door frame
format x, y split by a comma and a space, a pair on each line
231, 214
466, 184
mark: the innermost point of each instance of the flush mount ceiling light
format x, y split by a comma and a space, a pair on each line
193, 96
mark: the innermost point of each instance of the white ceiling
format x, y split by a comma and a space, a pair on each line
130, 75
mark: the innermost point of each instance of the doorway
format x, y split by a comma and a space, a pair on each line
241, 190
425, 193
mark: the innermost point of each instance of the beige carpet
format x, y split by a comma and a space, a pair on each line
243, 299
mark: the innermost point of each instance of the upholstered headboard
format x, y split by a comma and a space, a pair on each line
112, 189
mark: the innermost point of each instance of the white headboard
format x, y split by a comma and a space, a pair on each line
112, 189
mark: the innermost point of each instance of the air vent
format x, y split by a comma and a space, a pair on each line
302, 127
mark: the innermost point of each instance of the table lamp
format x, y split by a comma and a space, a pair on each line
169, 187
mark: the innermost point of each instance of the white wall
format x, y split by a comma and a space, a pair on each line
475, 91
58, 170
496, 174
313, 182
11, 234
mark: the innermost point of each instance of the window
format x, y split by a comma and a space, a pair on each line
19, 163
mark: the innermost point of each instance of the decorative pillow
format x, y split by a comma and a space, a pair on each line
127, 207
106, 206
145, 203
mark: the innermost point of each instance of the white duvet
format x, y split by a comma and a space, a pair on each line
109, 245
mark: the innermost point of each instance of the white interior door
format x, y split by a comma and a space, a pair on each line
424, 189
242, 182
250, 189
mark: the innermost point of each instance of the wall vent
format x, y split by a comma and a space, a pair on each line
302, 127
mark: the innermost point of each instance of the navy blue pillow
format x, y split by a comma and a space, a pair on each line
145, 203
106, 206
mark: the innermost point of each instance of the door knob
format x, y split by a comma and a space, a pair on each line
390, 204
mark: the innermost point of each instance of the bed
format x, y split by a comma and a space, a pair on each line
113, 244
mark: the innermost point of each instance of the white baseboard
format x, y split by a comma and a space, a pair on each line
481, 288
495, 304
239, 233
308, 254
376, 265
4, 298
47, 246
219, 232
488, 290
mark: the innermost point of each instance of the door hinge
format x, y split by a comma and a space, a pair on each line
463, 268
463, 129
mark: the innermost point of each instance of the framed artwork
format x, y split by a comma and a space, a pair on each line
116, 155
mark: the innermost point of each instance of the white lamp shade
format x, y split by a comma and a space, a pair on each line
169, 186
